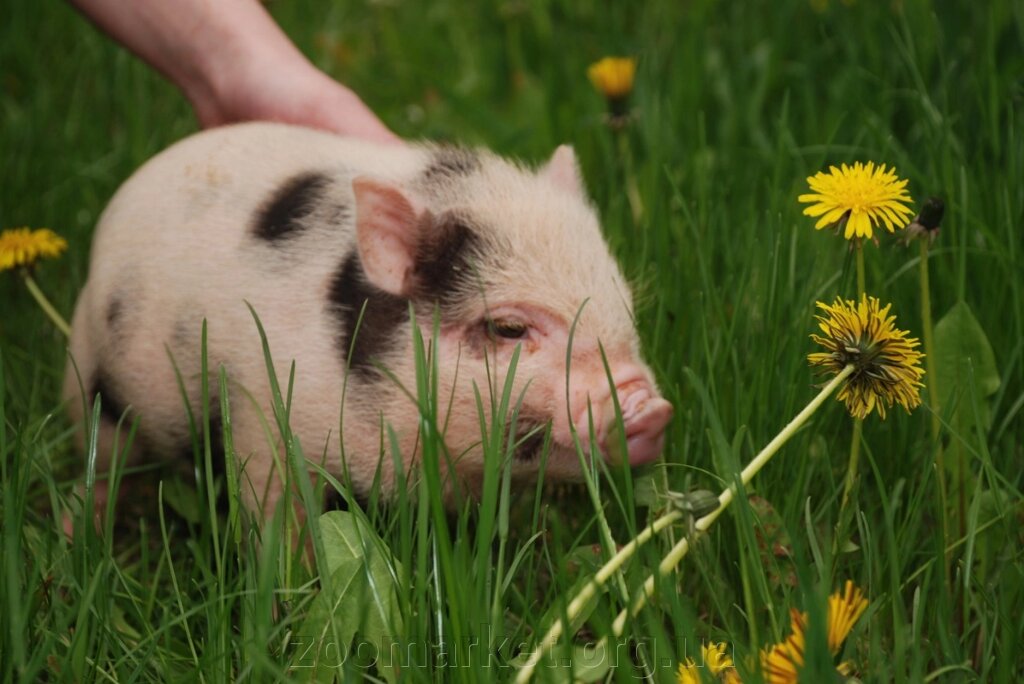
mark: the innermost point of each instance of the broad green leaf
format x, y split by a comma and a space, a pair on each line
965, 369
361, 598
320, 647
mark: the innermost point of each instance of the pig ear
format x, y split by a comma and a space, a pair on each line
563, 171
386, 234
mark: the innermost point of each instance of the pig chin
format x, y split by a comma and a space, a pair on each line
562, 461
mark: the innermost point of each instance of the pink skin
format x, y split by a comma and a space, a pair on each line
387, 235
389, 228
645, 417
645, 414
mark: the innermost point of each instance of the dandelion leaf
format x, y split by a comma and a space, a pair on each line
322, 643
966, 372
361, 598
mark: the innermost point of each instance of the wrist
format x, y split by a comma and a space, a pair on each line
231, 51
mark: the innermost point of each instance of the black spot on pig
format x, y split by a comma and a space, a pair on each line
284, 214
443, 273
112, 408
450, 163
378, 329
445, 260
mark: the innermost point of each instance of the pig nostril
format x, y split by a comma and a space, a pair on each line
632, 400
652, 415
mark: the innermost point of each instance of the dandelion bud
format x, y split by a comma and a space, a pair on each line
926, 223
613, 78
931, 213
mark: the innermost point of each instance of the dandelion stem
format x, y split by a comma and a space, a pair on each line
933, 397
45, 305
861, 280
636, 205
680, 550
851, 466
590, 589
858, 427
929, 345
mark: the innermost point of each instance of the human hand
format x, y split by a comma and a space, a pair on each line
285, 88
234, 64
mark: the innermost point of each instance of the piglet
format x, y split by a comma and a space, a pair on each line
333, 241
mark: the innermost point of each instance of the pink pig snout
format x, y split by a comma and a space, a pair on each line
645, 414
644, 418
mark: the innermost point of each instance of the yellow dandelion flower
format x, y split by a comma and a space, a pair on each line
613, 76
23, 246
844, 609
718, 663
688, 673
862, 195
887, 366
781, 663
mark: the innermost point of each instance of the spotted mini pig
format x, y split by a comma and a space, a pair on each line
309, 229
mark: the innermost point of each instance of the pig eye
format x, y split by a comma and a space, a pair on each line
509, 330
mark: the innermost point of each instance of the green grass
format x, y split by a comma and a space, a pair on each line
735, 105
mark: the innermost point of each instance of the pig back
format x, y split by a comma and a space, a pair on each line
255, 214
239, 198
